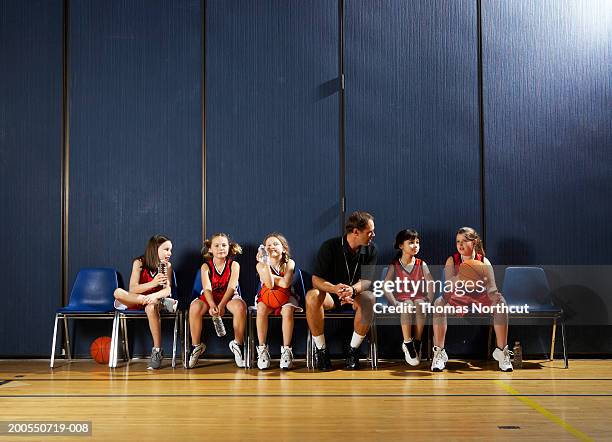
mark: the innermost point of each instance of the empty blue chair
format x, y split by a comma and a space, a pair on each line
120, 327
529, 285
91, 298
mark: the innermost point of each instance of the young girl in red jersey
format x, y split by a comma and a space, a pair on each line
469, 247
412, 290
150, 289
275, 268
219, 291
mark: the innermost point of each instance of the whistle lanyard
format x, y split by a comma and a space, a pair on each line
348, 273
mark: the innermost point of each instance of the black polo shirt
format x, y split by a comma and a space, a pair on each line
332, 267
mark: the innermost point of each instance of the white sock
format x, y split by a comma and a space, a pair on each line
319, 341
356, 340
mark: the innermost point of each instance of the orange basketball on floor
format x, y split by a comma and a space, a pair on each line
273, 298
472, 270
100, 349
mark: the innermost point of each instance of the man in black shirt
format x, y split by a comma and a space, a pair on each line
338, 283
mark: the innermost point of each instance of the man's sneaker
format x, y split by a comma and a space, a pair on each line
410, 353
263, 357
168, 305
196, 352
321, 359
157, 355
237, 350
440, 358
352, 359
503, 358
286, 362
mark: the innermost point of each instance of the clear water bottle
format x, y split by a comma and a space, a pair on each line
518, 355
162, 268
261, 251
219, 327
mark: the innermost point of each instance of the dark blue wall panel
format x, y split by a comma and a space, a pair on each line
272, 124
30, 172
135, 131
412, 140
548, 130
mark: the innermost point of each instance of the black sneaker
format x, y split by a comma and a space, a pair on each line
352, 359
321, 359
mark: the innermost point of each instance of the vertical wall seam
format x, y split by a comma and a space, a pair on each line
481, 122
65, 149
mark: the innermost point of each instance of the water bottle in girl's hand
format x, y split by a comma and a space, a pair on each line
219, 327
263, 253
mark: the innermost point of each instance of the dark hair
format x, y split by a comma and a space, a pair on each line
405, 235
286, 252
150, 258
357, 220
234, 248
472, 235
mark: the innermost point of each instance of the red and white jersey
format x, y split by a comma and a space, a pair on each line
219, 280
416, 274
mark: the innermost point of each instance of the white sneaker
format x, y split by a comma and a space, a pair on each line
196, 352
286, 361
440, 359
263, 357
503, 358
235, 348
410, 353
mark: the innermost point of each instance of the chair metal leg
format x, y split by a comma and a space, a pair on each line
250, 340
126, 343
429, 341
373, 345
52, 363
67, 338
489, 341
112, 360
552, 340
186, 340
563, 339
175, 335
309, 356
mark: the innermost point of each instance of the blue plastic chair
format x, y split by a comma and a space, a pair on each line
195, 293
529, 285
298, 288
120, 327
91, 298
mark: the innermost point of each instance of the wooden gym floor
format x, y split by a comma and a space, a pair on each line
217, 401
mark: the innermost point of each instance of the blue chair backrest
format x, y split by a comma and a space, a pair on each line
93, 289
526, 285
197, 286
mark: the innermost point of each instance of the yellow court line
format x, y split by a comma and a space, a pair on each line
543, 411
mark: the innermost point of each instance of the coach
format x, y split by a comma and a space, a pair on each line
340, 285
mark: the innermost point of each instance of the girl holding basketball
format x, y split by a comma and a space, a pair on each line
412, 291
219, 292
470, 264
150, 289
275, 268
